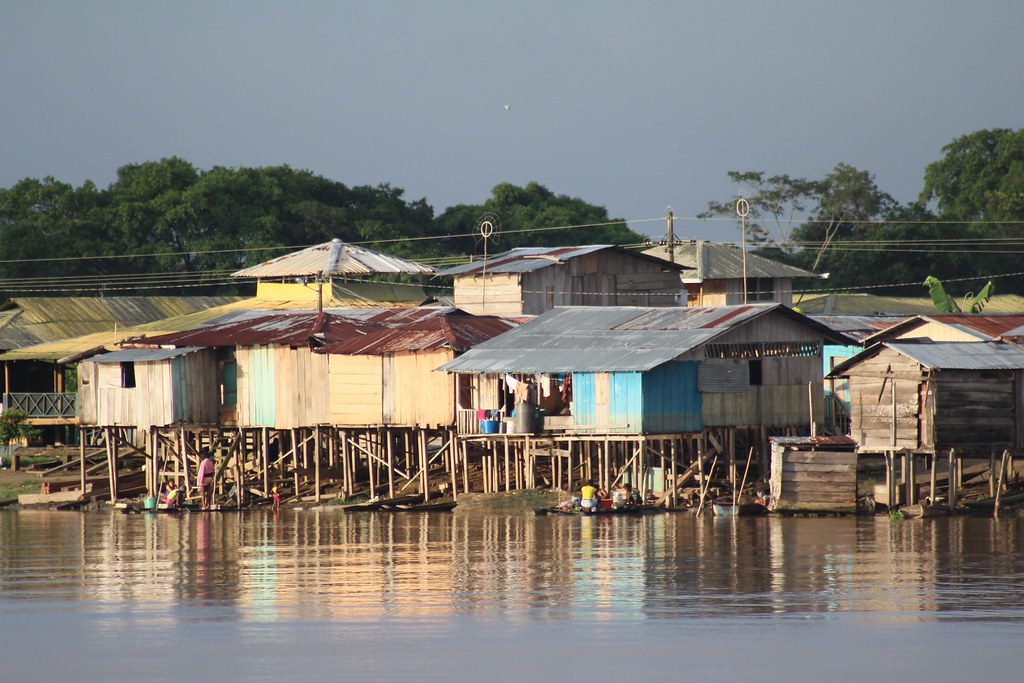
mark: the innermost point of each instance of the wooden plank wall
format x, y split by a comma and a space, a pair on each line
356, 392
256, 379
416, 395
806, 481
301, 387
495, 294
975, 411
876, 384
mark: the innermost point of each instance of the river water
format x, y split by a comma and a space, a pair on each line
328, 595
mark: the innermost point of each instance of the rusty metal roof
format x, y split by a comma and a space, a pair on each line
333, 258
858, 327
455, 330
281, 328
983, 327
527, 259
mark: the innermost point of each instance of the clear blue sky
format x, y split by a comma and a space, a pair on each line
634, 106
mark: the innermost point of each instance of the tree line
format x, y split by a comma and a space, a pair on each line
168, 217
964, 228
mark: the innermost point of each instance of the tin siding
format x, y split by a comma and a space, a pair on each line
626, 410
261, 386
584, 403
671, 400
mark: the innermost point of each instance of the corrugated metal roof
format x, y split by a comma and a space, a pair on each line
945, 355
858, 327
598, 339
528, 259
455, 330
285, 329
38, 320
333, 258
962, 355
141, 355
712, 261
983, 327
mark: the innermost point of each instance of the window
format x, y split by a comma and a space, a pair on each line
128, 375
756, 372
760, 289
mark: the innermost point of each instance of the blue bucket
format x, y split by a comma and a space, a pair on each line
489, 426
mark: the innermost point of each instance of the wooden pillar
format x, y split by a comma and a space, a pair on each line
672, 476
316, 462
508, 476
389, 435
452, 457
465, 466
951, 502
81, 455
932, 478
421, 450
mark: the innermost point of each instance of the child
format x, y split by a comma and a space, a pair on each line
171, 495
277, 498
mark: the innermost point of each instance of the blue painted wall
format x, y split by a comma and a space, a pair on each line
662, 400
671, 400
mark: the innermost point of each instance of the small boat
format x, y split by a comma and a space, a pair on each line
918, 510
726, 508
380, 503
580, 512
439, 506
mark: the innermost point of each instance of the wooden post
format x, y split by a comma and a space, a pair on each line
999, 485
952, 480
992, 472
316, 462
508, 478
81, 455
452, 458
931, 480
389, 435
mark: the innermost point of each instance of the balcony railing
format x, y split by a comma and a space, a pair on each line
44, 406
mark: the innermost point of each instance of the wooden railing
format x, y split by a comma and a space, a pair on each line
52, 406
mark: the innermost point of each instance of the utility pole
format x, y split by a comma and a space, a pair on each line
671, 239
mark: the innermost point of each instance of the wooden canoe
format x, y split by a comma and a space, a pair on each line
728, 509
921, 510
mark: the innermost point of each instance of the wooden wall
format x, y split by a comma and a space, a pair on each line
887, 392
177, 390
416, 395
281, 387
976, 411
493, 294
813, 480
730, 292
356, 392
602, 278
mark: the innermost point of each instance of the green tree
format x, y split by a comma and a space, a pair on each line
14, 425
777, 203
531, 216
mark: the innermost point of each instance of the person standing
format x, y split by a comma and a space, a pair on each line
204, 478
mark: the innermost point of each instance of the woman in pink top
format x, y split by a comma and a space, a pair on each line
204, 479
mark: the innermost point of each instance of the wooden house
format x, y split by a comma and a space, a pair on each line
145, 388
929, 397
385, 377
530, 281
722, 275
266, 374
660, 371
946, 327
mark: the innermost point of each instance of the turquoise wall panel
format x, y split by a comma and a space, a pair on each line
584, 407
261, 386
626, 401
671, 402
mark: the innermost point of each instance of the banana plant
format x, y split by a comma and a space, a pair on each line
947, 304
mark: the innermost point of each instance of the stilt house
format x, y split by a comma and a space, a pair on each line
529, 281
660, 371
927, 397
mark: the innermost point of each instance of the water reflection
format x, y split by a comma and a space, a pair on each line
328, 565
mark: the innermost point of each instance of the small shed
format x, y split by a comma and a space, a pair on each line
532, 280
813, 474
925, 397
149, 387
